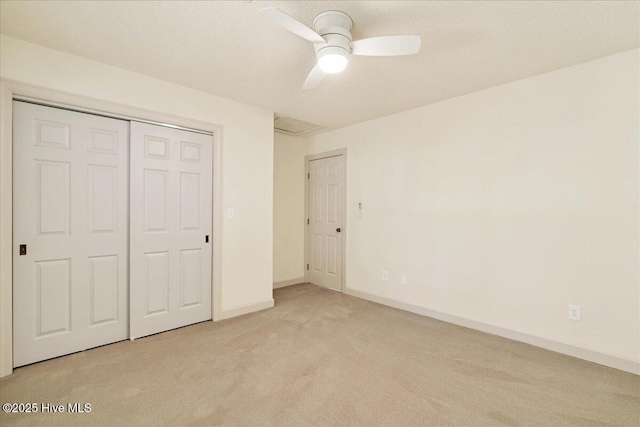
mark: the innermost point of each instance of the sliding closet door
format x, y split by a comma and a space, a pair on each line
171, 220
70, 278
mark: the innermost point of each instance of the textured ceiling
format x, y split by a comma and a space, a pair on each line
229, 49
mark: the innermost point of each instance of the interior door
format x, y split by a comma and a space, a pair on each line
70, 187
170, 235
326, 186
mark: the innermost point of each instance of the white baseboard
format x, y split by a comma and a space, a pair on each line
290, 282
246, 309
594, 356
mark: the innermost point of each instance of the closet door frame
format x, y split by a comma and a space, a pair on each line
10, 90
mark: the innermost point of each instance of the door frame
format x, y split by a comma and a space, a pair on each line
10, 89
307, 163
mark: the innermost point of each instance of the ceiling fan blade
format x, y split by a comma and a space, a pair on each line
387, 46
292, 24
314, 78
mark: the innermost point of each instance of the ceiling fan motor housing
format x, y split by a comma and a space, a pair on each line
335, 27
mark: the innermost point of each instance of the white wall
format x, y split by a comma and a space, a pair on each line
506, 205
288, 208
247, 150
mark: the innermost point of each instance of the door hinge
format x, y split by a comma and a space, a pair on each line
308, 175
307, 221
307, 266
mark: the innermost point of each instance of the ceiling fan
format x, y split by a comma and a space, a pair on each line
331, 37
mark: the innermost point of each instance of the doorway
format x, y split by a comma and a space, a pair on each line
325, 231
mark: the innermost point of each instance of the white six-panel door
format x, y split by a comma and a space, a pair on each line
70, 210
171, 217
326, 182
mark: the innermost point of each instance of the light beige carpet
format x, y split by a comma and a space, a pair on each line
323, 358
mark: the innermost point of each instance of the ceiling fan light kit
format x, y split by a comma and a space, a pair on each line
333, 44
332, 60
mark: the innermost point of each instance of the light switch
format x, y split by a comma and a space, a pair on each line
231, 213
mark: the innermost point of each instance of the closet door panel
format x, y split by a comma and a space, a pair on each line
171, 220
70, 286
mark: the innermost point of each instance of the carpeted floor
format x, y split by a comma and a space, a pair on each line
323, 358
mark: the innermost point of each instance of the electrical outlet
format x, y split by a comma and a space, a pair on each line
403, 280
385, 276
574, 312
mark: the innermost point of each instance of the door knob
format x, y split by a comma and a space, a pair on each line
338, 229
